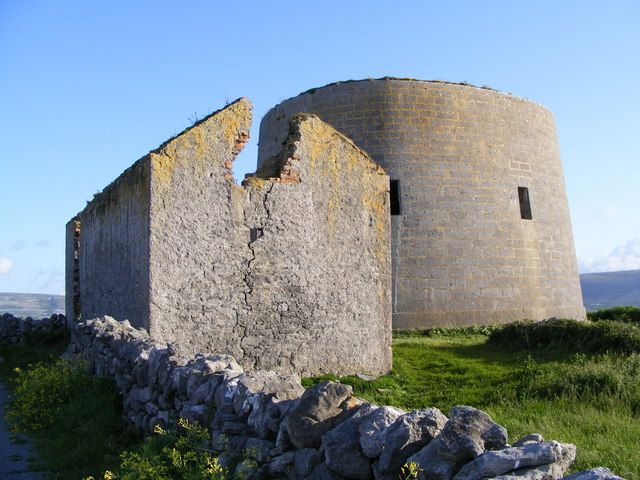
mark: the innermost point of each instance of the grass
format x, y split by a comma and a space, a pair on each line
570, 335
620, 314
569, 396
73, 417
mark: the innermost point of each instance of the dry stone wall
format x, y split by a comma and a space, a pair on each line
323, 432
16, 330
462, 254
290, 271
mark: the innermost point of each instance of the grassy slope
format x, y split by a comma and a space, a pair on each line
465, 370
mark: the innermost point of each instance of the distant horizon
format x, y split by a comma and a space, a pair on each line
599, 290
63, 293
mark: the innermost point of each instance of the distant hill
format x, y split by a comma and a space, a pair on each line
610, 289
31, 304
599, 290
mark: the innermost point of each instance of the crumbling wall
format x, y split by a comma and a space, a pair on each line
72, 300
291, 271
199, 243
320, 265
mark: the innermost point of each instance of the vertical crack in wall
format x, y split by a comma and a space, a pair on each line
77, 304
254, 235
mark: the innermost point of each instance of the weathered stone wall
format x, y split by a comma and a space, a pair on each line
112, 270
291, 271
199, 241
319, 276
321, 433
461, 253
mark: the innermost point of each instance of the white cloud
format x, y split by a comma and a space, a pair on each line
623, 257
5, 265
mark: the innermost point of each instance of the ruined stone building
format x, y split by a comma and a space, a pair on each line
304, 266
266, 271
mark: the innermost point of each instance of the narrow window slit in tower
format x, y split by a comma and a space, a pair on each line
525, 205
394, 192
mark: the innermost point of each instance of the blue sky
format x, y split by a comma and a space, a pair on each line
86, 88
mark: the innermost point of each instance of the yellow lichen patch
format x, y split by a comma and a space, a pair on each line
228, 128
199, 141
254, 182
162, 168
187, 150
336, 161
324, 137
374, 202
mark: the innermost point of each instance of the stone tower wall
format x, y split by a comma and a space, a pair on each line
462, 255
290, 271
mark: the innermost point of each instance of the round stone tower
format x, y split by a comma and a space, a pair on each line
481, 231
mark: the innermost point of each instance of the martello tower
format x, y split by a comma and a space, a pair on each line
481, 231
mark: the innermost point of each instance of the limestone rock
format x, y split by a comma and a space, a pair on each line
234, 428
373, 427
138, 396
342, 448
350, 438
408, 434
433, 466
306, 460
318, 411
206, 391
280, 463
223, 397
552, 471
252, 385
527, 439
283, 441
268, 413
497, 462
322, 472
598, 473
259, 449
467, 434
